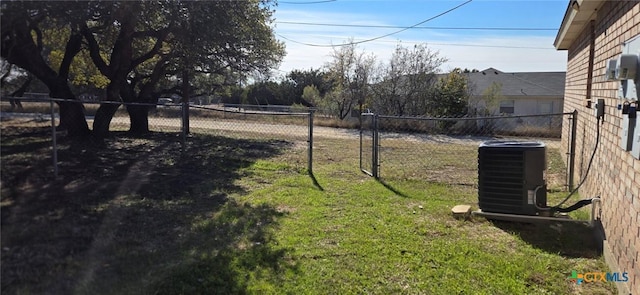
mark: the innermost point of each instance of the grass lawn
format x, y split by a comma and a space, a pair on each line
243, 216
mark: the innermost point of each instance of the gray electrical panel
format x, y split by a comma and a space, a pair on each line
626, 70
635, 148
627, 130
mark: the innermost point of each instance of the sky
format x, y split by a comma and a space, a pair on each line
509, 35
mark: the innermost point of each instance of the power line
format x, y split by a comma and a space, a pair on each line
418, 27
491, 46
452, 44
380, 37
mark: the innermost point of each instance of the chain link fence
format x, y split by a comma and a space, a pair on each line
369, 144
392, 149
445, 150
281, 128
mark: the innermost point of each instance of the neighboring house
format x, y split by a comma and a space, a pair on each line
521, 93
594, 32
494, 92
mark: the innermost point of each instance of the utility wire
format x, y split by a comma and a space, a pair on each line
491, 46
593, 154
418, 27
380, 37
451, 44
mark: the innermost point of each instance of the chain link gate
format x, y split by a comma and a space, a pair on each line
444, 149
369, 144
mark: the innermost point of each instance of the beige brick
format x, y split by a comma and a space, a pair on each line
625, 26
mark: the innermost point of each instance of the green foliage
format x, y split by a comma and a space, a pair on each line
404, 84
311, 94
334, 103
491, 97
301, 79
264, 93
83, 74
211, 36
233, 94
139, 50
350, 71
450, 96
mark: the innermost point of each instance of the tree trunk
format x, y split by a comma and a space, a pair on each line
72, 117
104, 114
20, 92
185, 101
139, 116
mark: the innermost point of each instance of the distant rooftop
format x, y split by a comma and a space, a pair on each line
519, 83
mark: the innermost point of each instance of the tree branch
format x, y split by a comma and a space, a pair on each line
146, 91
38, 36
23, 88
94, 51
74, 45
6, 75
160, 35
19, 48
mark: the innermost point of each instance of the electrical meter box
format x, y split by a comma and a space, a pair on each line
610, 71
627, 67
627, 71
629, 119
635, 148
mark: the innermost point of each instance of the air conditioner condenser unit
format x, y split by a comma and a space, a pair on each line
511, 177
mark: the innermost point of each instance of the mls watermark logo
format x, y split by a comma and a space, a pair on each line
590, 277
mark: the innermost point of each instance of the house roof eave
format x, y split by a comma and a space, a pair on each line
578, 15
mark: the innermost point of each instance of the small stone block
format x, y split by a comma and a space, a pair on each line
461, 211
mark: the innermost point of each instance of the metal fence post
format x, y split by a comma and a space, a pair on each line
310, 152
360, 146
572, 148
54, 138
185, 125
374, 152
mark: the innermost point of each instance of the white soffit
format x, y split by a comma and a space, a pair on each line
578, 15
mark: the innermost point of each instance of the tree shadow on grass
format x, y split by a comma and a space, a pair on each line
569, 239
136, 216
223, 253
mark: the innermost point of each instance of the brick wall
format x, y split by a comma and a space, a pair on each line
615, 175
